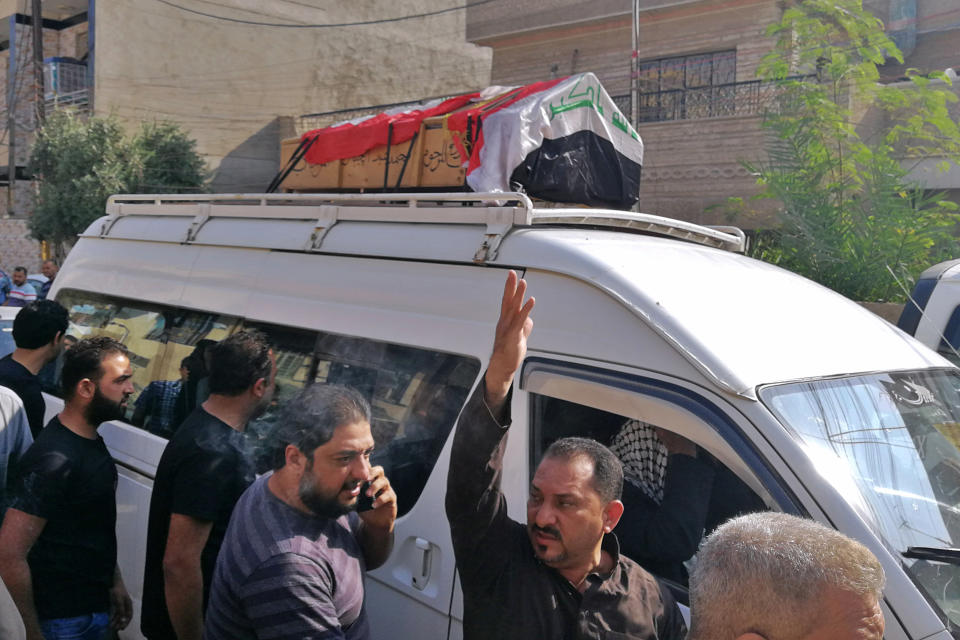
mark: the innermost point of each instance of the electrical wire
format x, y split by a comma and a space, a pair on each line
323, 26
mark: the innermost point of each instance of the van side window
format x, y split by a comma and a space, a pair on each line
415, 396
133, 325
674, 492
180, 382
160, 340
293, 349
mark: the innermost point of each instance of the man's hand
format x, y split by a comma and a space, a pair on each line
18, 534
121, 606
509, 342
376, 536
384, 510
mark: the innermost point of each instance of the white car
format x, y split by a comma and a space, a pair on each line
7, 314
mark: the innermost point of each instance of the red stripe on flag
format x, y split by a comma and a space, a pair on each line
350, 140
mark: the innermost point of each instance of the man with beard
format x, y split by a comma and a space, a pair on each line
58, 545
202, 472
561, 576
293, 560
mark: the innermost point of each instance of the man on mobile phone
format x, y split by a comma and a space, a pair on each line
293, 559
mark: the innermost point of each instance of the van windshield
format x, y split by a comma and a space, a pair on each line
889, 443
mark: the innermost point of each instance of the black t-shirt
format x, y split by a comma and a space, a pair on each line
202, 472
17, 377
71, 481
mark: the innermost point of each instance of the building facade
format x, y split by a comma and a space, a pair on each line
699, 105
234, 74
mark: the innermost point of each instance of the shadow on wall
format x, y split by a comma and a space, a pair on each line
252, 165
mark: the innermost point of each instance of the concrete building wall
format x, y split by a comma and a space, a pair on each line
16, 246
228, 83
690, 166
601, 47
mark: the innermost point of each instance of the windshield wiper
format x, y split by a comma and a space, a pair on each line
946, 554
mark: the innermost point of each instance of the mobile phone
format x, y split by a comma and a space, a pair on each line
364, 502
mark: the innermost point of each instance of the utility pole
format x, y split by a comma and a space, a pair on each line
11, 116
38, 61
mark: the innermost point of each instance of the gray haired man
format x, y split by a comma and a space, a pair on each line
773, 576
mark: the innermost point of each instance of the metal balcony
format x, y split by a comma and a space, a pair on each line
750, 98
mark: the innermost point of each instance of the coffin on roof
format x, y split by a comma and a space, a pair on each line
560, 140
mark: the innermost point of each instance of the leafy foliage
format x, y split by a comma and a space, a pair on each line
849, 210
79, 162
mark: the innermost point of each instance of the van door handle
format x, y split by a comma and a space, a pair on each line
421, 574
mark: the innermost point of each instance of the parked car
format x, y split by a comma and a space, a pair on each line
818, 406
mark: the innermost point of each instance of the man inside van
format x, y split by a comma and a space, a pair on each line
563, 570
201, 475
292, 564
773, 575
58, 543
38, 332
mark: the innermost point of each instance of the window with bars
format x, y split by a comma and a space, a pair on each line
686, 87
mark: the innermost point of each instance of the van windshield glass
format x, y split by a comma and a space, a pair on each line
889, 443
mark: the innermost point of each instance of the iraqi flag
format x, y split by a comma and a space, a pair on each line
561, 140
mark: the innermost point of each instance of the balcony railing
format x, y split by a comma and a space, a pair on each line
66, 83
750, 98
79, 99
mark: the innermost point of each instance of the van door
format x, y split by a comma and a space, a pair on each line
563, 397
567, 397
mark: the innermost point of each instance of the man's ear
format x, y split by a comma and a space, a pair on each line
260, 387
611, 515
86, 389
295, 458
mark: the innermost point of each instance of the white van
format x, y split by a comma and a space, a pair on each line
818, 406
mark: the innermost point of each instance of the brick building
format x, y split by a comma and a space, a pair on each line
699, 101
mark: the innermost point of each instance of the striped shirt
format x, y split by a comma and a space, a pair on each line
283, 574
21, 295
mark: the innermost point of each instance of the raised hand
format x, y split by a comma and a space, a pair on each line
509, 342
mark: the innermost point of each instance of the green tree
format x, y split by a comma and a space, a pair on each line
849, 213
79, 162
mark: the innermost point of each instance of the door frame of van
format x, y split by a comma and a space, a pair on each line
676, 395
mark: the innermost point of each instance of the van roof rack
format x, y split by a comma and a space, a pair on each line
500, 212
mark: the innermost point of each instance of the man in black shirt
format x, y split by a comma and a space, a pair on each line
58, 545
201, 474
561, 576
38, 332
